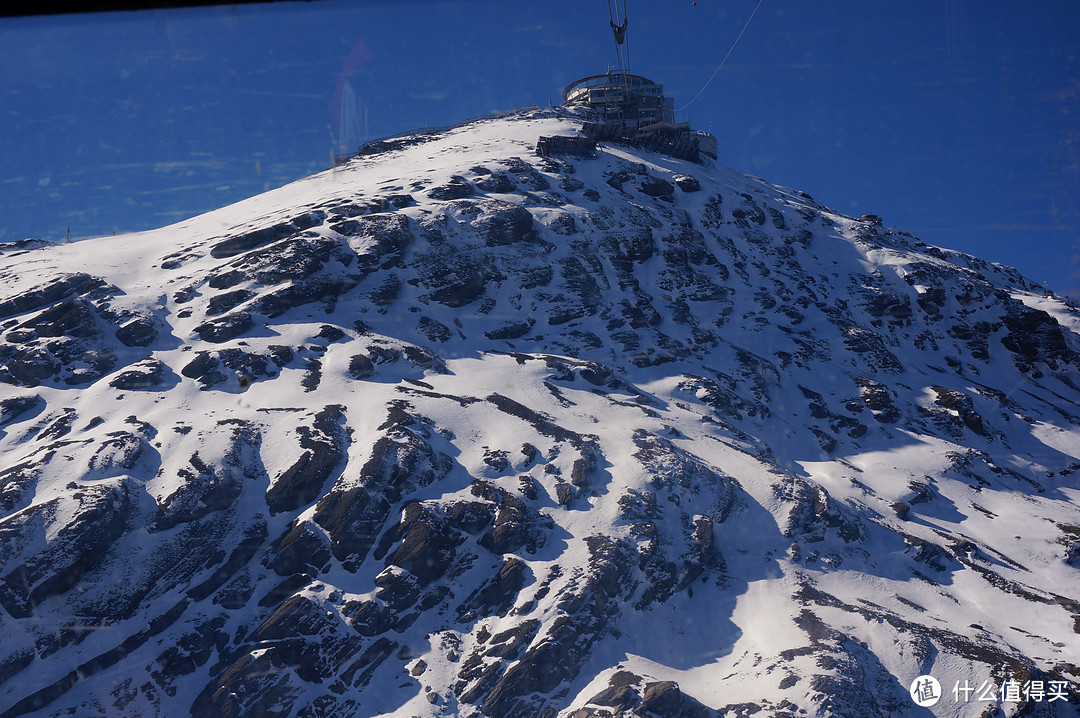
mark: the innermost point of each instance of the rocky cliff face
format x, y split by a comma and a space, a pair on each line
457, 430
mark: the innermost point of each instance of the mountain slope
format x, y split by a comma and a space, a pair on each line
457, 430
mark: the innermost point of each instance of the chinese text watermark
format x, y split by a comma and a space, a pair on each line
926, 691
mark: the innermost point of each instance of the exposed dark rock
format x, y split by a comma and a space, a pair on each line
687, 183
435, 331
370, 617
398, 589
620, 693
929, 553
324, 289
468, 286
526, 175
427, 543
144, 375
71, 317
48, 293
360, 367
932, 300
508, 644
264, 681
120, 451
585, 295
500, 592
330, 333
879, 400
139, 332
282, 355
100, 517
220, 280
615, 180
29, 367
635, 244
20, 336
298, 615
354, 517
1034, 336
193, 649
15, 662
225, 328
503, 224
813, 512
423, 358
84, 365
201, 364
206, 489
776, 217
515, 525
13, 407
672, 468
497, 183
496, 459
312, 375
558, 656
656, 187
457, 188
253, 537
324, 449
240, 243
298, 270
663, 698
208, 367
512, 330
563, 224
886, 304
17, 480
748, 211
375, 654
961, 403
59, 425
584, 466
221, 303
571, 184
391, 235
302, 549
864, 341
471, 516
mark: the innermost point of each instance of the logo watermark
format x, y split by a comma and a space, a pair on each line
926, 691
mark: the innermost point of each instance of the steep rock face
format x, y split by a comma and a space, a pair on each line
514, 436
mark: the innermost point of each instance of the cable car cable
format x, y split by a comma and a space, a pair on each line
618, 29
680, 109
626, 20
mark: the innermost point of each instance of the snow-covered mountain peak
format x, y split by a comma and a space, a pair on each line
455, 429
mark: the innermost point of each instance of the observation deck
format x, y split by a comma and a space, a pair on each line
623, 99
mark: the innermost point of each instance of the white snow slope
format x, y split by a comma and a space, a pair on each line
458, 430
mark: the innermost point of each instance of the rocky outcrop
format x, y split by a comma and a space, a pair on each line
244, 241
98, 517
323, 449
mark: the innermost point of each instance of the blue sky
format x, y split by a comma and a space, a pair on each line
957, 121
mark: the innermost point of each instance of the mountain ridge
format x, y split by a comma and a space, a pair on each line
472, 423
